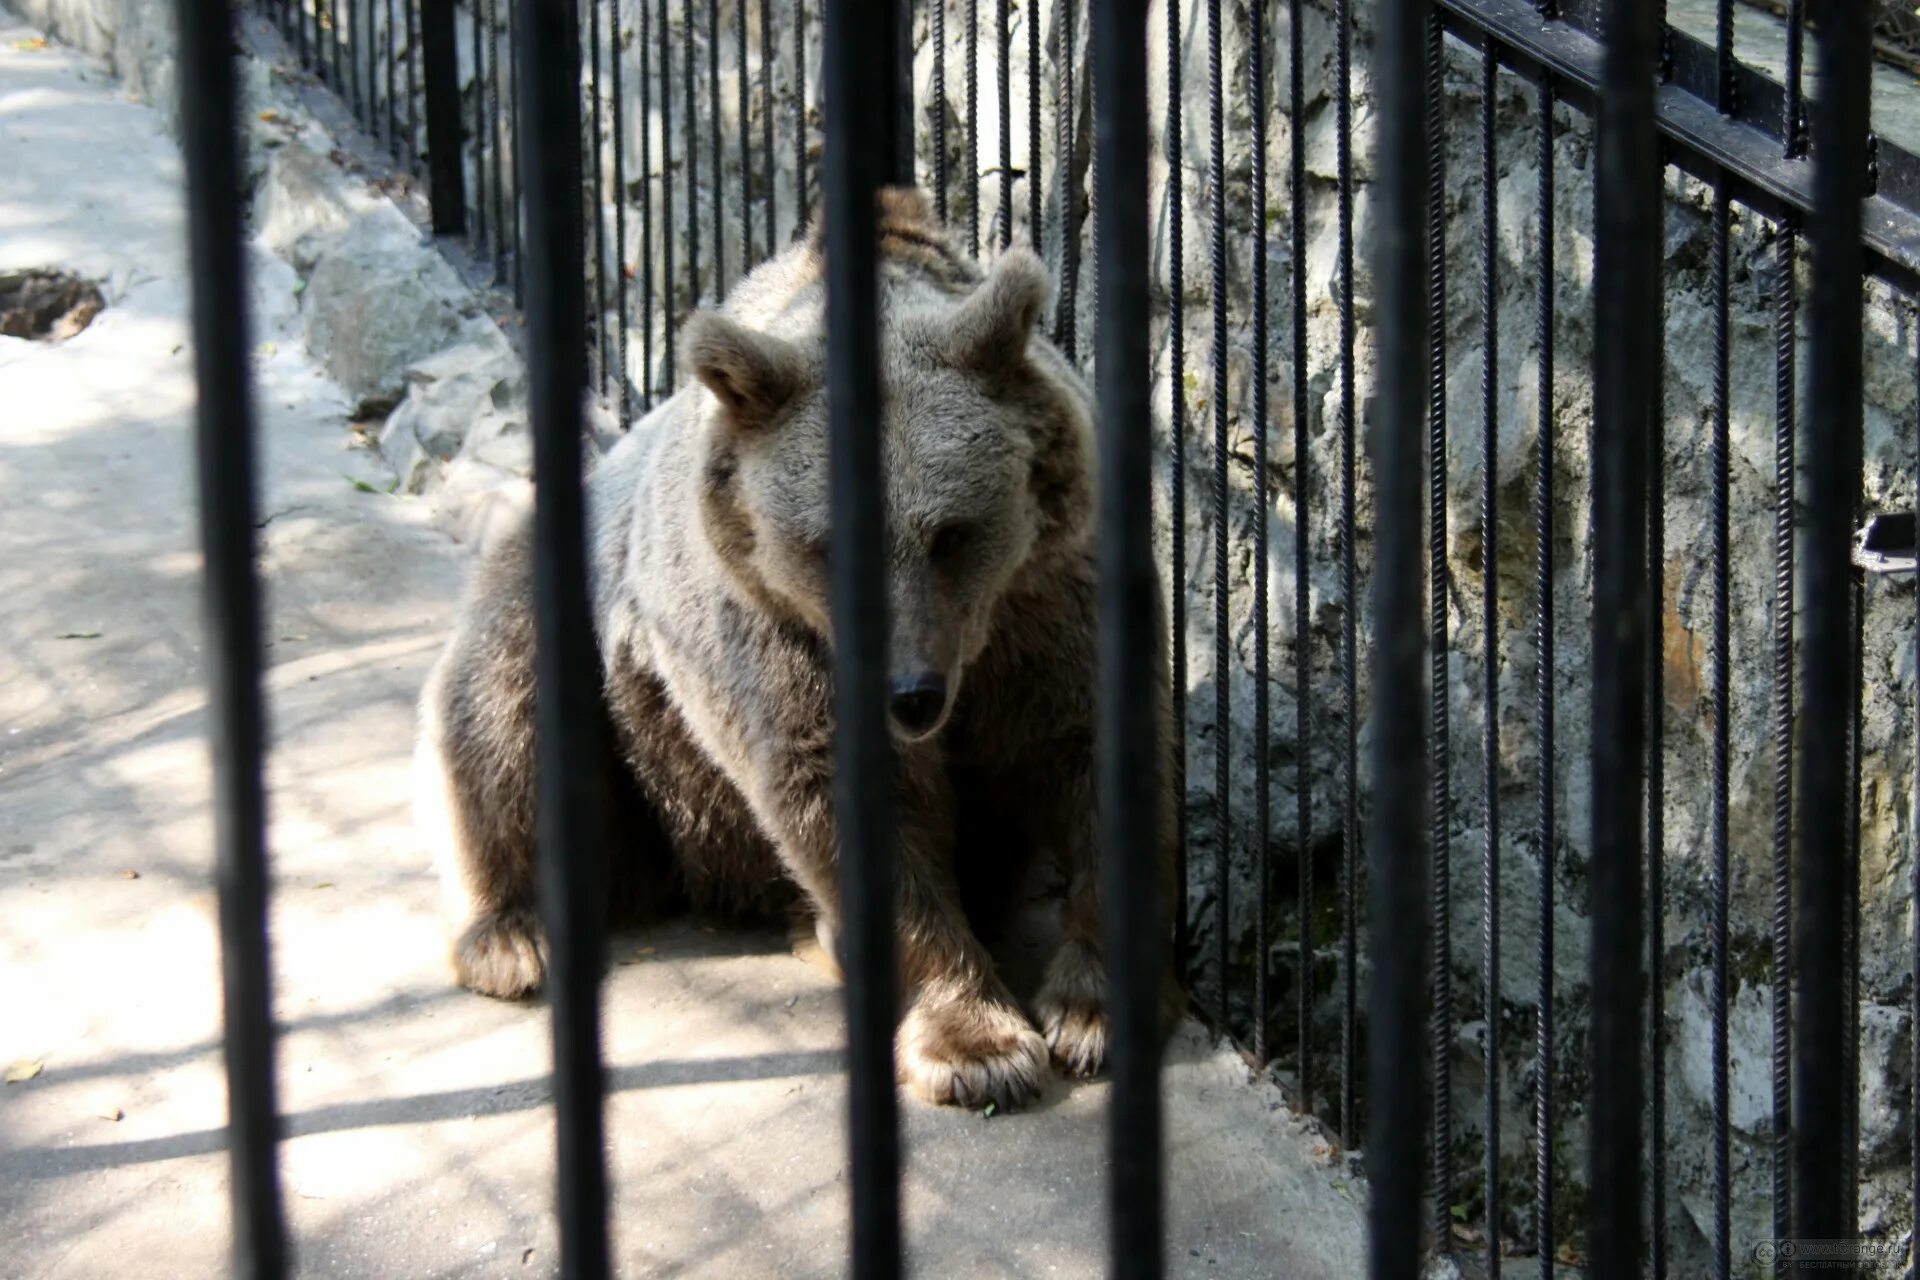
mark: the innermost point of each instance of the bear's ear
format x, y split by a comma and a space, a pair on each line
991, 328
752, 374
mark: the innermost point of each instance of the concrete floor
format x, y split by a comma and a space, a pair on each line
419, 1138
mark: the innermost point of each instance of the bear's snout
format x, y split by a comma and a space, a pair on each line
917, 702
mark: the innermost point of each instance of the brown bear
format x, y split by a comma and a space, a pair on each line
708, 534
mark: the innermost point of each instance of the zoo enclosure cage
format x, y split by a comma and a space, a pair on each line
631, 82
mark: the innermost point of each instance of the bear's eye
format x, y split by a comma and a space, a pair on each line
950, 541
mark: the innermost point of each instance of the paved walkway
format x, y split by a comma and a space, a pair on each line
419, 1133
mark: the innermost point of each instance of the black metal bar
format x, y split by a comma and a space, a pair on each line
1627, 306
857, 73
1302, 505
440, 68
766, 122
799, 120
643, 40
390, 51
621, 270
1035, 220
1349, 587
1543, 1241
973, 126
1722, 1235
715, 139
1003, 75
1397, 993
300, 34
1832, 479
1222, 626
745, 108
1176, 437
1490, 639
1066, 328
337, 40
937, 37
900, 165
668, 322
1262, 817
224, 457
414, 55
477, 132
690, 100
1128, 748
493, 127
1913, 891
570, 732
1793, 118
356, 95
598, 230
513, 128
1785, 411
1439, 596
1656, 779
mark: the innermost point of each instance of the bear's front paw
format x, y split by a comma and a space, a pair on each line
1075, 1027
967, 1051
502, 954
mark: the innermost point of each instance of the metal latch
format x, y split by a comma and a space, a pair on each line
1885, 544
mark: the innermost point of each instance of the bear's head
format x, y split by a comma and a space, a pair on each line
986, 454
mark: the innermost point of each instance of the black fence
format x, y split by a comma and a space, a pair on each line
563, 225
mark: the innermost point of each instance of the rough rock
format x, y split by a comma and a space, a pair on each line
374, 307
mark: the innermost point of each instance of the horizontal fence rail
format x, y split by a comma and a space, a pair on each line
1412, 666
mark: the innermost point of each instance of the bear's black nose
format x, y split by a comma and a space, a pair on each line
916, 701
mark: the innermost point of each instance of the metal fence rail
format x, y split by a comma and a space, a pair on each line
609, 259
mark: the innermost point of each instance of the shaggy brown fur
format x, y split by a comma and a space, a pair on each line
708, 529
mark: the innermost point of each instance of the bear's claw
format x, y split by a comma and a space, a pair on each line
1076, 1032
971, 1051
502, 955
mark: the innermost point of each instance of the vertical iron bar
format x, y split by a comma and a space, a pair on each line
973, 126
1222, 627
355, 93
440, 65
1544, 705
1627, 218
644, 40
1833, 477
1655, 761
766, 120
1439, 599
1794, 126
414, 55
1035, 221
1262, 819
224, 453
1004, 82
667, 281
715, 138
799, 121
856, 74
1067, 326
1302, 505
1785, 413
1128, 747
513, 127
390, 50
598, 230
690, 101
300, 34
1490, 638
937, 37
1177, 425
498, 175
1349, 588
1722, 1239
337, 40
568, 724
477, 133
1397, 995
616, 54
744, 103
